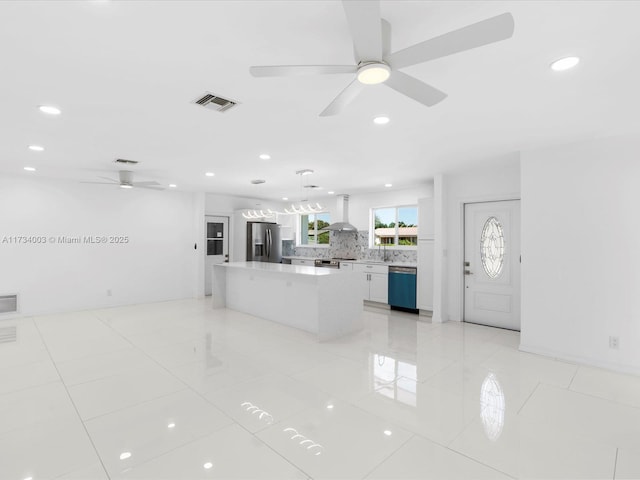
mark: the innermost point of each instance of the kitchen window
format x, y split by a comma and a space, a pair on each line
311, 228
395, 227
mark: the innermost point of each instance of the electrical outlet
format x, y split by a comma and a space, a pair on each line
614, 342
109, 293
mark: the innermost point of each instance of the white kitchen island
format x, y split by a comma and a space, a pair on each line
323, 301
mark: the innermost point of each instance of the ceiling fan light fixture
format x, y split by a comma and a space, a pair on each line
124, 185
565, 63
373, 73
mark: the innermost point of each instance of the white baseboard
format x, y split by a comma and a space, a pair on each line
616, 367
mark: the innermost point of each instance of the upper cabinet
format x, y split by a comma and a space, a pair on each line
426, 219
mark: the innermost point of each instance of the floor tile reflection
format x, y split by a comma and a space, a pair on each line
177, 390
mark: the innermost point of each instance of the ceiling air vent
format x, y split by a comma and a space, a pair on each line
213, 102
126, 162
258, 181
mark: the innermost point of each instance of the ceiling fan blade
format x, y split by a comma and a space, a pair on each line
297, 70
109, 179
475, 35
99, 183
149, 188
345, 97
414, 88
363, 17
145, 184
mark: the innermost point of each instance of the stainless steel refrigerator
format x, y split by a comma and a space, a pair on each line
263, 242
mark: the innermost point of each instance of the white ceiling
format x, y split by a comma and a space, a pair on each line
125, 72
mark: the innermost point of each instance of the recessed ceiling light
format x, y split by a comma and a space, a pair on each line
565, 63
124, 185
125, 455
388, 433
172, 185
374, 73
388, 185
285, 198
330, 407
30, 169
331, 193
29, 478
50, 109
171, 425
210, 174
265, 156
36, 148
381, 120
208, 465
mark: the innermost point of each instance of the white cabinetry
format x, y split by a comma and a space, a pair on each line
346, 265
426, 250
375, 281
303, 261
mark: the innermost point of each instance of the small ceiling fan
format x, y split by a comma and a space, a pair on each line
126, 181
377, 64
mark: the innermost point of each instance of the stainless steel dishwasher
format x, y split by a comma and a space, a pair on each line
402, 287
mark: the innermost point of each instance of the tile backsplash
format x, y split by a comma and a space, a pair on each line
349, 245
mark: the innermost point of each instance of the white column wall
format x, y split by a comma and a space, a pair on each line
581, 252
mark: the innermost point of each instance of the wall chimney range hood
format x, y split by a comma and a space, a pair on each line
342, 211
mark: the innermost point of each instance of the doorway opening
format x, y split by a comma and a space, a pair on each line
216, 242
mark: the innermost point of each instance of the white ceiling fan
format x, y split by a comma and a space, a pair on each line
377, 64
126, 181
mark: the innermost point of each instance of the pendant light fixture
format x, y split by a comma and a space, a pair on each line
302, 208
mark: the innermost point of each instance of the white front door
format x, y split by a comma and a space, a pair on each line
492, 264
216, 246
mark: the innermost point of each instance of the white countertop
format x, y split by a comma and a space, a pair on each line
283, 268
369, 262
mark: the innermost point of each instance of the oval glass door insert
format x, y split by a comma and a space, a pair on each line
492, 247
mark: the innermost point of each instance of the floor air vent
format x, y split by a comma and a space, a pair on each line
8, 334
213, 102
8, 303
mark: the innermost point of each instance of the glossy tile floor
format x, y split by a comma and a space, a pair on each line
178, 390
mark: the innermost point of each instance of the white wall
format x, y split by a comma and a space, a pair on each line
581, 252
158, 263
499, 180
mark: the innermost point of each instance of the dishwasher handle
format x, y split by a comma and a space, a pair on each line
404, 270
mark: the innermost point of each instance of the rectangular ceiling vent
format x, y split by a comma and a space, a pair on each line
213, 102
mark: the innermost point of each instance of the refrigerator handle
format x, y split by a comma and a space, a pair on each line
268, 243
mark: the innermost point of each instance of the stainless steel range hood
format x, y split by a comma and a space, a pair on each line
342, 212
